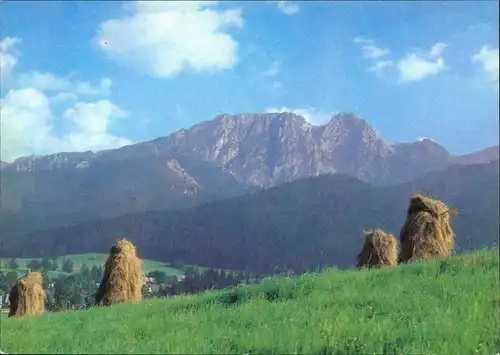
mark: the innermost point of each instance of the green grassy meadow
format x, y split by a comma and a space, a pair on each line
449, 306
90, 260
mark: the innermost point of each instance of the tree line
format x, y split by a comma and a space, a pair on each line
45, 264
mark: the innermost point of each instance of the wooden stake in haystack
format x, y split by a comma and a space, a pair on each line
380, 249
27, 297
427, 231
123, 276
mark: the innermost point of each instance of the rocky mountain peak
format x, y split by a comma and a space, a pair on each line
423, 147
268, 118
346, 118
349, 127
346, 121
260, 149
430, 144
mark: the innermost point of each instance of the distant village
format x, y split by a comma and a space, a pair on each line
75, 288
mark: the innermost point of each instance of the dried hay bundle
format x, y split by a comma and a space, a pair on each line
123, 275
427, 231
27, 297
380, 249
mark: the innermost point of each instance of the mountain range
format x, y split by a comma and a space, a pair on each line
297, 225
229, 156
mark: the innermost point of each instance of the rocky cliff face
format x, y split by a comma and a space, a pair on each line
227, 156
265, 150
257, 149
352, 146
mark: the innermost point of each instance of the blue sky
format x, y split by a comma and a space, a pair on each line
98, 75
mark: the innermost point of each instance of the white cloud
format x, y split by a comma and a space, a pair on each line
7, 63
8, 55
163, 39
488, 58
63, 96
27, 125
8, 43
414, 66
288, 7
437, 49
421, 139
380, 65
419, 65
369, 49
311, 114
92, 122
274, 69
51, 82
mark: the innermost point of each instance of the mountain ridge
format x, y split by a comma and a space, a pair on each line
215, 159
58, 160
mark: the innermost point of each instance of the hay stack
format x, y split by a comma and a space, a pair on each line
123, 276
427, 231
27, 297
380, 249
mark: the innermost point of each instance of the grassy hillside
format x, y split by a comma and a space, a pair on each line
92, 259
438, 307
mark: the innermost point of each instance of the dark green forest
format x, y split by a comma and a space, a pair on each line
297, 226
